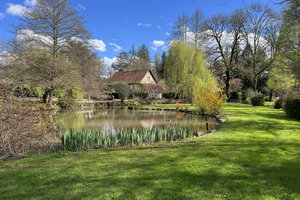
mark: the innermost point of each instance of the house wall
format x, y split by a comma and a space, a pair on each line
145, 79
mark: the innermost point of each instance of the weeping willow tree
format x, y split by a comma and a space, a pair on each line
188, 77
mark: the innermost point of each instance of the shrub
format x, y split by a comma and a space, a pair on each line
292, 105
235, 95
122, 89
248, 94
37, 91
59, 93
258, 100
66, 102
278, 103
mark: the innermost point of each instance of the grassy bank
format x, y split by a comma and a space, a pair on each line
255, 154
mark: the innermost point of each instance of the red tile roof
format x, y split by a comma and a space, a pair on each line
129, 77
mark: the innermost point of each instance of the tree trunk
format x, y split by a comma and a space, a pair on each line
50, 100
271, 95
227, 84
45, 96
255, 80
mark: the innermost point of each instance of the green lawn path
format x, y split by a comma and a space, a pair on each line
254, 155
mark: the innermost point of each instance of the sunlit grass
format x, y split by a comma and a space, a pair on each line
255, 154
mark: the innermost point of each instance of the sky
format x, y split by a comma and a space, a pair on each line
116, 25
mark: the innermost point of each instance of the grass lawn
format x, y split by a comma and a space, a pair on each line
254, 155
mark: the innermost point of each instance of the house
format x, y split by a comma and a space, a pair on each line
135, 79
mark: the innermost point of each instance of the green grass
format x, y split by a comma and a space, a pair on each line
255, 154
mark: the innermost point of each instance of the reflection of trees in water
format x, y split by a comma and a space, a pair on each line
113, 119
70, 120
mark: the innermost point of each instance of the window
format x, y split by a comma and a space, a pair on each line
148, 78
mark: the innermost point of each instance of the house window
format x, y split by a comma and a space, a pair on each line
148, 78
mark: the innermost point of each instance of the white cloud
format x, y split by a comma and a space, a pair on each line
154, 48
108, 70
81, 7
159, 27
109, 61
167, 33
1, 16
144, 24
15, 9
97, 45
158, 43
30, 2
117, 47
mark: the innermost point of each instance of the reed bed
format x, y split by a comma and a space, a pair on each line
75, 140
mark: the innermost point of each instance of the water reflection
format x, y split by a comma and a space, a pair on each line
114, 119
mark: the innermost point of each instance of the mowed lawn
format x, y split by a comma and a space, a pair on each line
254, 155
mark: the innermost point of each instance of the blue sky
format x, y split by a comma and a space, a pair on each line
118, 24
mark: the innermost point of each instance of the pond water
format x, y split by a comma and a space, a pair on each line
114, 119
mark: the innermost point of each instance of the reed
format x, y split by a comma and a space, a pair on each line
75, 140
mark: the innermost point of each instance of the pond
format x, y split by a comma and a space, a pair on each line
114, 119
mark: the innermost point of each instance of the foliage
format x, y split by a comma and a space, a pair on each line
122, 89
281, 76
258, 100
66, 102
292, 105
235, 95
186, 73
133, 60
236, 84
37, 91
83, 139
278, 103
45, 61
210, 101
59, 92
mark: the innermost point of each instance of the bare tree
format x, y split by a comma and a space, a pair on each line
196, 24
180, 28
259, 16
90, 67
226, 48
51, 24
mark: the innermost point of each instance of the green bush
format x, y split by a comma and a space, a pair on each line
66, 102
37, 91
258, 100
59, 93
278, 103
76, 94
248, 94
235, 95
22, 91
122, 89
292, 105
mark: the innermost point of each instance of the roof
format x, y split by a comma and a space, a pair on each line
129, 77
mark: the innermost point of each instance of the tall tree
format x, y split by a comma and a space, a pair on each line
90, 67
122, 63
196, 24
180, 28
143, 53
185, 68
51, 24
225, 50
259, 16
290, 34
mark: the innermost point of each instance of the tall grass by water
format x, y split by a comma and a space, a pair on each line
74, 140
